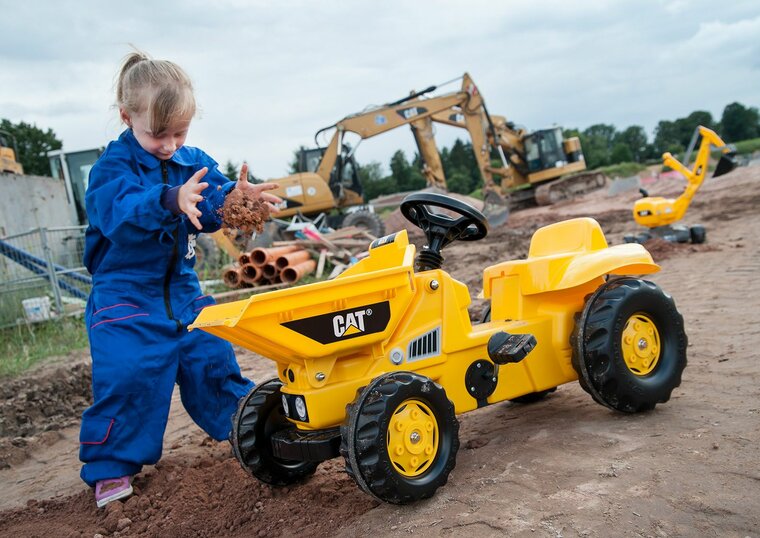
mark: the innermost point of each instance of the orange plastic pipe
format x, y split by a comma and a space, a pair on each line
294, 273
294, 258
250, 273
232, 277
262, 256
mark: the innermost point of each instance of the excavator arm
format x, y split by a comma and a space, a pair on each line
657, 211
407, 111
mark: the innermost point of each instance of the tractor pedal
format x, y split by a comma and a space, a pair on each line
505, 348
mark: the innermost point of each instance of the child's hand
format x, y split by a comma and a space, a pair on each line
190, 194
257, 190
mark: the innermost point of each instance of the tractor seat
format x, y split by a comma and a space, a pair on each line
564, 255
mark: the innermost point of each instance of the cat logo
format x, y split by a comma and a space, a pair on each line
344, 324
351, 323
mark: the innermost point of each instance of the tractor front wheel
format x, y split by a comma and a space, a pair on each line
629, 345
258, 417
400, 438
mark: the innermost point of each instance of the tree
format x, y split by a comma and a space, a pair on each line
739, 123
295, 164
231, 171
407, 177
666, 135
33, 144
621, 153
635, 139
596, 142
373, 183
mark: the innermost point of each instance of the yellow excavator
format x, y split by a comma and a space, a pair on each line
539, 167
8, 153
659, 215
531, 163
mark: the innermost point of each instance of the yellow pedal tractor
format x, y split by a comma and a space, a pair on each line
659, 214
376, 364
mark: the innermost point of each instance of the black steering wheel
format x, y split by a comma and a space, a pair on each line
440, 229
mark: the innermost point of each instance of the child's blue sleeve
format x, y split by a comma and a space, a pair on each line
121, 207
219, 186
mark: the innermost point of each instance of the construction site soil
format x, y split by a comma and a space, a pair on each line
564, 466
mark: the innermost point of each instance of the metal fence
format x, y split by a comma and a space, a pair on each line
41, 274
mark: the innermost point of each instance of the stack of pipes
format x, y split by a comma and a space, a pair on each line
265, 266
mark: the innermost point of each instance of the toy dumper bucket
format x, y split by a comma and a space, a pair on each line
725, 164
326, 318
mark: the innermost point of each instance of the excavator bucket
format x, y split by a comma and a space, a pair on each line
495, 208
725, 164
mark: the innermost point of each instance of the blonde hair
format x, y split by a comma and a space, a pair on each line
160, 87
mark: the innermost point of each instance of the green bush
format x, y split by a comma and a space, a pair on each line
625, 169
748, 146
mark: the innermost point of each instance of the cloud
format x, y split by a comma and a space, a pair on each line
268, 75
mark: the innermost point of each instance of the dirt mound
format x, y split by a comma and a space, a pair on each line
205, 494
35, 406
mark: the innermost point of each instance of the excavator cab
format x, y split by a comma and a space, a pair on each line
344, 175
544, 150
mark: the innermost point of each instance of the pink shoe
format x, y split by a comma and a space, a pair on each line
112, 489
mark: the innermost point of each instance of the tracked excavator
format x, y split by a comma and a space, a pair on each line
534, 166
539, 167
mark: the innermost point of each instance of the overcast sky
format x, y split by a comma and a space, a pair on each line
269, 74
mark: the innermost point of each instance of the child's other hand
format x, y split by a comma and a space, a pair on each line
190, 194
258, 190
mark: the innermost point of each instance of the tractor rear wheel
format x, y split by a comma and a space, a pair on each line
400, 438
367, 220
629, 345
259, 415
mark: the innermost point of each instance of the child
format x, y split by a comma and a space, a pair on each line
148, 198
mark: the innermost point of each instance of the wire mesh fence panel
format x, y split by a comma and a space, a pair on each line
41, 274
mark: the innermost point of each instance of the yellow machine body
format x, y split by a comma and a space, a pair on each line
655, 211
8, 162
331, 338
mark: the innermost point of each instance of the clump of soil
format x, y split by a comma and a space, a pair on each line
243, 212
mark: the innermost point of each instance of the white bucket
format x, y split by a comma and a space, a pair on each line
36, 308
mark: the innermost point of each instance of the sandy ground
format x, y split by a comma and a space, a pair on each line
565, 466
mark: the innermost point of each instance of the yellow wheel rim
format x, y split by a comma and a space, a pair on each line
641, 344
412, 438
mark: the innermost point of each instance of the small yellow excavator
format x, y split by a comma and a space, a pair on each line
659, 214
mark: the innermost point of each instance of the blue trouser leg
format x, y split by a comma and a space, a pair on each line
210, 382
134, 367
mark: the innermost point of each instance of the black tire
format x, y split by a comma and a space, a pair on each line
697, 234
370, 426
531, 397
608, 342
207, 254
258, 416
367, 220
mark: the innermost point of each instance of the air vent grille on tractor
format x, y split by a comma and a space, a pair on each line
427, 345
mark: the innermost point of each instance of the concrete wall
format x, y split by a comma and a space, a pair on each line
28, 202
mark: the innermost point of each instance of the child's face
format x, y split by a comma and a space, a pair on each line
161, 145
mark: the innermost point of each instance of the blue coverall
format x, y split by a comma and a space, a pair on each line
144, 294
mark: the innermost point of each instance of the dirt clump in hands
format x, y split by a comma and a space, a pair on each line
243, 212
